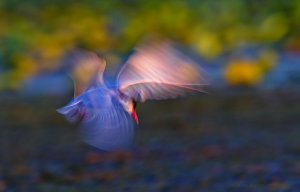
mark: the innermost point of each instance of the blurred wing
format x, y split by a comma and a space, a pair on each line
104, 122
71, 111
86, 70
159, 71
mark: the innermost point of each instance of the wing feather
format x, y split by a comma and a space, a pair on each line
86, 70
160, 71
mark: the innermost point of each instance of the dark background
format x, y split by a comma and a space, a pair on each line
243, 135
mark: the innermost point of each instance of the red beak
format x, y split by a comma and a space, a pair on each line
135, 117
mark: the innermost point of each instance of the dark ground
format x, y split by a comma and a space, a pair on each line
242, 141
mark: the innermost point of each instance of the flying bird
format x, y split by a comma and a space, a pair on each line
107, 114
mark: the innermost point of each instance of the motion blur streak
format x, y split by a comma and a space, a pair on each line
107, 114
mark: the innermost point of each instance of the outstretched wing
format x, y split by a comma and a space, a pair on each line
104, 122
86, 70
159, 71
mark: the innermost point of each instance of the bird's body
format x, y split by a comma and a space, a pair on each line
103, 107
107, 114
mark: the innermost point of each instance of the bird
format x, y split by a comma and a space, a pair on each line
107, 112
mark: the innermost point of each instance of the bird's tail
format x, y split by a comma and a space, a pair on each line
72, 112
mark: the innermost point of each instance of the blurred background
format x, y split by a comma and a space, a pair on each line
243, 135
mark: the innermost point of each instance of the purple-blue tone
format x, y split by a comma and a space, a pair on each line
107, 115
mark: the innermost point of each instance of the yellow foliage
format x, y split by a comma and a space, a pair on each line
48, 45
267, 60
273, 28
174, 16
238, 34
50, 48
209, 45
13, 80
25, 66
48, 32
51, 52
243, 72
2, 28
96, 39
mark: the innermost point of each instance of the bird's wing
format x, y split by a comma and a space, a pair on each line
104, 122
159, 71
86, 70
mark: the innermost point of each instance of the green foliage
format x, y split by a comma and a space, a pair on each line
43, 31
